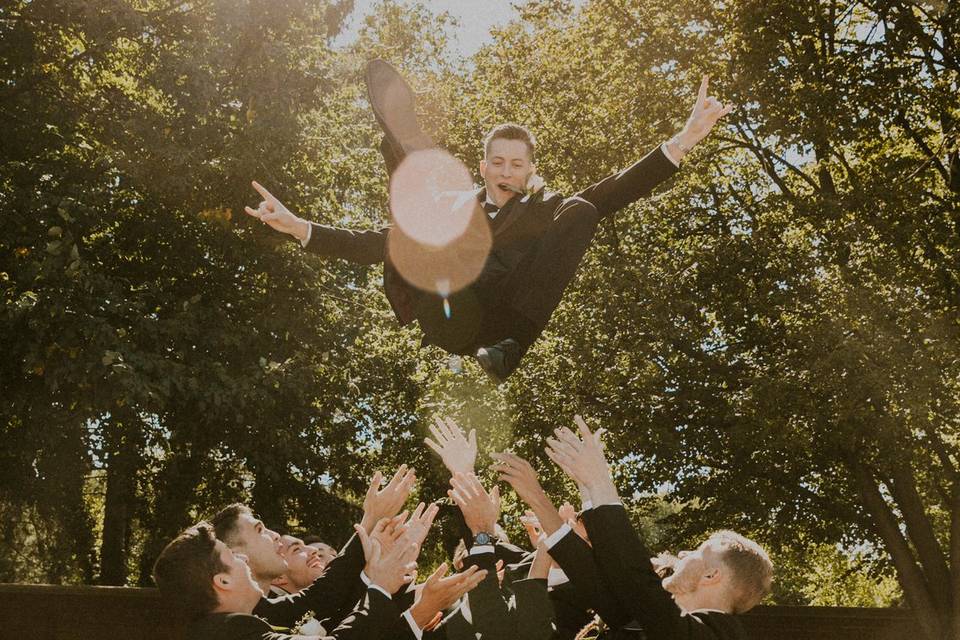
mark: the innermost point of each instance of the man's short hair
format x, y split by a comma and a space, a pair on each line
750, 566
510, 131
225, 522
185, 569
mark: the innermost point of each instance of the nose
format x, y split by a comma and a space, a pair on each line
242, 557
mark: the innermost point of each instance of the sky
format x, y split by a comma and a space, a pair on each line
475, 17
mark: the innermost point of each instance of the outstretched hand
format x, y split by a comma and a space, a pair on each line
706, 112
386, 502
389, 569
272, 212
440, 591
480, 509
581, 457
459, 453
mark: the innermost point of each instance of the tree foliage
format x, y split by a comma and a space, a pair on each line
772, 340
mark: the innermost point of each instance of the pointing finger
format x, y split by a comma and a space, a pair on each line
263, 192
702, 93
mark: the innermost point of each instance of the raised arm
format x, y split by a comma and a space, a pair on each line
568, 549
359, 246
637, 181
622, 558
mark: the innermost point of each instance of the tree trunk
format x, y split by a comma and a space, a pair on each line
911, 578
123, 439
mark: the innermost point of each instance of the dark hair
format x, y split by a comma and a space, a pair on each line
225, 522
185, 569
510, 131
314, 539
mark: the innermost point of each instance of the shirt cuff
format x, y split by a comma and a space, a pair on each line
663, 148
615, 503
366, 579
417, 631
481, 548
306, 240
587, 505
554, 537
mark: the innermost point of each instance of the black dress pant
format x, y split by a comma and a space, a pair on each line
519, 303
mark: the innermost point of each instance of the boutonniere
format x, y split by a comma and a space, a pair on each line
535, 185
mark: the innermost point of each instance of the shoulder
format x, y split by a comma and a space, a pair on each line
228, 625
723, 625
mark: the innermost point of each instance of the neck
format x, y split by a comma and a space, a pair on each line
265, 585
706, 600
231, 604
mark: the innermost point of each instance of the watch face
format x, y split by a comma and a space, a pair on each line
482, 538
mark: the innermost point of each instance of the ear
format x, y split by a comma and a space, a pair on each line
483, 167
221, 582
712, 576
280, 581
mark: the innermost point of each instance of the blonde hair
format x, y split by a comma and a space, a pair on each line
749, 564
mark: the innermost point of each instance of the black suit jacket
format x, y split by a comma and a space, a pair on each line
624, 563
519, 224
371, 620
331, 596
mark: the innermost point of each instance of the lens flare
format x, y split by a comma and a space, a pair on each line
430, 197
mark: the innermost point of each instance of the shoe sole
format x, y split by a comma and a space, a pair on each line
394, 107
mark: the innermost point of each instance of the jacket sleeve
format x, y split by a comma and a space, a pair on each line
361, 247
330, 597
534, 610
624, 563
575, 557
636, 181
373, 619
490, 615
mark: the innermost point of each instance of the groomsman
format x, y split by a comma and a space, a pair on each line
704, 589
538, 240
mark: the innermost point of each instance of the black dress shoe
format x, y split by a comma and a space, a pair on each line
500, 360
394, 108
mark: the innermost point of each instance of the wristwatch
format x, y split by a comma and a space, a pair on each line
482, 538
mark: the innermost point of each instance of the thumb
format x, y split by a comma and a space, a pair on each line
364, 541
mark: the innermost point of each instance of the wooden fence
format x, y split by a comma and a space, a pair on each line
108, 613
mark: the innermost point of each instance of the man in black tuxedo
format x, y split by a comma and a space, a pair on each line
537, 240
214, 586
726, 575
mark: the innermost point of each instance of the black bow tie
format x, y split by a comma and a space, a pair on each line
489, 207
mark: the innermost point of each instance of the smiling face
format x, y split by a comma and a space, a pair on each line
304, 563
506, 169
327, 553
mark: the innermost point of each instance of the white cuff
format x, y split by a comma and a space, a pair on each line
587, 505
417, 631
663, 148
481, 548
366, 579
306, 240
615, 503
555, 537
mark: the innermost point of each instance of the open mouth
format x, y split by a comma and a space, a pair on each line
503, 186
315, 564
